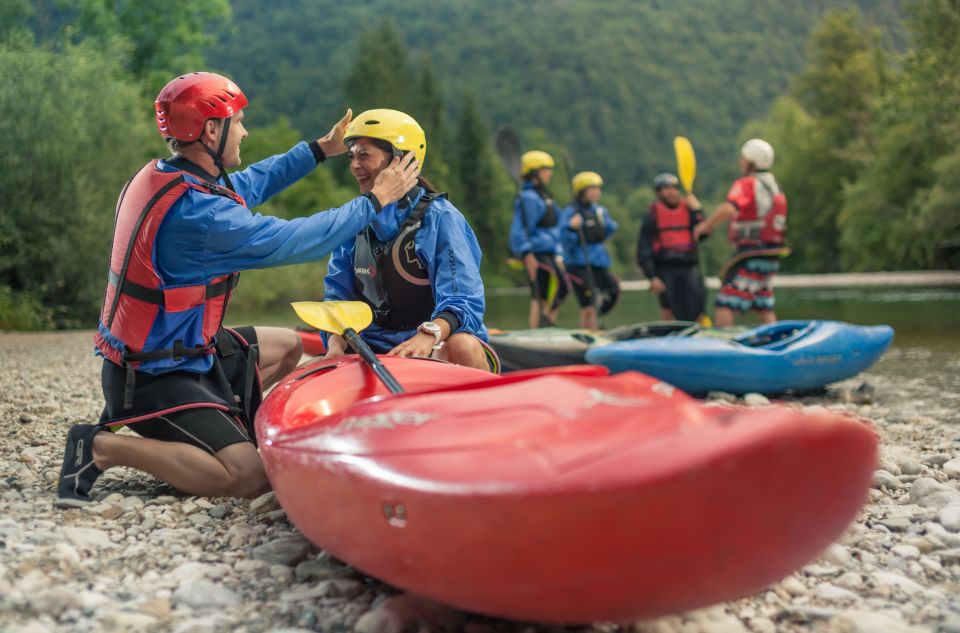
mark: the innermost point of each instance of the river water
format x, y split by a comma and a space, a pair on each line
925, 351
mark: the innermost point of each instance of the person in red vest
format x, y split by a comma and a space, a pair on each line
757, 212
182, 232
667, 251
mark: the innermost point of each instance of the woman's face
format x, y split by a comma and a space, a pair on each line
366, 161
544, 175
592, 194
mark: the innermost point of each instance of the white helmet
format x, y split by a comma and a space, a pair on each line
759, 152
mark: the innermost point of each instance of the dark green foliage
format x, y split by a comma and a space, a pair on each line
74, 129
483, 192
612, 80
867, 146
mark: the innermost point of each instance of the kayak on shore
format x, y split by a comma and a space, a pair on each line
555, 346
776, 358
561, 495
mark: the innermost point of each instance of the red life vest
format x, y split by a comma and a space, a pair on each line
135, 292
755, 226
674, 232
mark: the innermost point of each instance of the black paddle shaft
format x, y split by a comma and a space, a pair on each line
371, 359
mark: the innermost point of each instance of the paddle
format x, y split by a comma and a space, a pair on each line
507, 145
686, 162
346, 318
687, 171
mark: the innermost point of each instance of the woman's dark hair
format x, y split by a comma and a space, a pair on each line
426, 184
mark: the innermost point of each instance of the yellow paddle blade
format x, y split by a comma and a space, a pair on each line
515, 264
686, 161
334, 316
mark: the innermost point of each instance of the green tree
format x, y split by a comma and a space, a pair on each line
484, 193
901, 212
380, 73
163, 38
13, 20
74, 129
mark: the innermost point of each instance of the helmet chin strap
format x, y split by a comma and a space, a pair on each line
217, 156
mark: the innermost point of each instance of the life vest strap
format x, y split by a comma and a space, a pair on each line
177, 352
159, 297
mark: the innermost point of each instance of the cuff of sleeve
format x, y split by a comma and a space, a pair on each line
317, 151
452, 319
374, 201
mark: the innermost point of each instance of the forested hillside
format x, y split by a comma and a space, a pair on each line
858, 98
611, 80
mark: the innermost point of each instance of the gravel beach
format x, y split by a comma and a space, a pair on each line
147, 558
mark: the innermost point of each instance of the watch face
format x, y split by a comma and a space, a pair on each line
430, 327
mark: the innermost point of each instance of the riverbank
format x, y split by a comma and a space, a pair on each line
906, 278
145, 558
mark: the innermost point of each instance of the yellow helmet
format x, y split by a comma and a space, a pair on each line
534, 160
395, 127
584, 180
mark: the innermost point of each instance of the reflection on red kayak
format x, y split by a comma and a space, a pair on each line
557, 496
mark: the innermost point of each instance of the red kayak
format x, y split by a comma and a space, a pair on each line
312, 342
559, 495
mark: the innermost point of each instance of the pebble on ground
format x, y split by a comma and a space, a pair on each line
144, 557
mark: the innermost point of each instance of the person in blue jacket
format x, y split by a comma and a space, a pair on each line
584, 227
183, 230
418, 263
534, 238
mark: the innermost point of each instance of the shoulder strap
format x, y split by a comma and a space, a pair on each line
416, 216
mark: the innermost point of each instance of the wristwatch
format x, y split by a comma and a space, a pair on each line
429, 327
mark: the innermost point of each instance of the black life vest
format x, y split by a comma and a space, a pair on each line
551, 216
594, 225
390, 277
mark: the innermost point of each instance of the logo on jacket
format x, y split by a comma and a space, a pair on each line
370, 271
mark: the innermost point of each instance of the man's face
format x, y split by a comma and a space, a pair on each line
669, 195
366, 161
235, 135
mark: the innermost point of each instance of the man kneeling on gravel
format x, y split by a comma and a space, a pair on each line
183, 231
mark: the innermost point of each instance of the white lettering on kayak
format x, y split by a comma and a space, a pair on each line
390, 420
602, 397
828, 359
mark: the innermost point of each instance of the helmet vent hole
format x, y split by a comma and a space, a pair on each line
371, 122
221, 99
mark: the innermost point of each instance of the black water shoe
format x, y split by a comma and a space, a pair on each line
78, 471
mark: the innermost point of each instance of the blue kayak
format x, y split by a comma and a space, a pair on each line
783, 356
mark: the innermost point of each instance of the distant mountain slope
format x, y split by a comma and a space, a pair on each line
613, 80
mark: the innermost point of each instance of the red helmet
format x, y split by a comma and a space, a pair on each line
185, 104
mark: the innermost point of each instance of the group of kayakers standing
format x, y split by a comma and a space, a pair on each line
566, 249
184, 230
